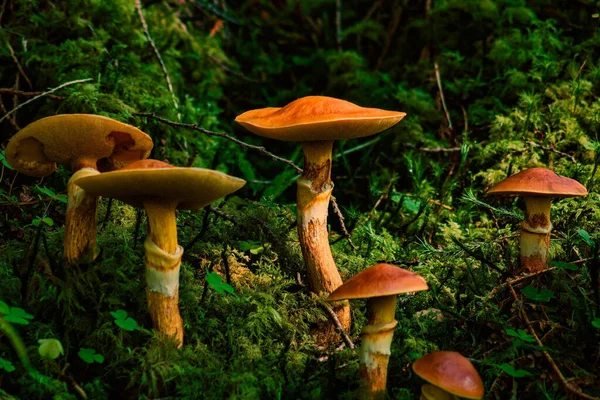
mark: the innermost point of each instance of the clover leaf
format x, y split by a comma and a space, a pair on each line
90, 356
50, 348
214, 281
538, 295
123, 321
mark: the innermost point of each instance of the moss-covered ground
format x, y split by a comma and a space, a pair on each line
521, 89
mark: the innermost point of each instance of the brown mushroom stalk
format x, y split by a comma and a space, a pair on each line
314, 193
538, 186
535, 233
317, 121
161, 189
80, 221
163, 261
379, 284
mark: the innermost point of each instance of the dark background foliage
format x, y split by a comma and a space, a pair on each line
520, 82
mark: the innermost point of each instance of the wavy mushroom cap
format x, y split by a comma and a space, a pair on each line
452, 372
64, 139
189, 188
539, 182
379, 280
314, 118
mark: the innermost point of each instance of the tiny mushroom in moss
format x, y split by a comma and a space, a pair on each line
379, 284
86, 144
450, 374
316, 122
161, 189
537, 186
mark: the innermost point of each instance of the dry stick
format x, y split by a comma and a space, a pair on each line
17, 92
439, 82
4, 111
515, 281
42, 95
2, 11
338, 212
338, 325
138, 6
547, 356
195, 127
14, 57
338, 25
552, 149
388, 39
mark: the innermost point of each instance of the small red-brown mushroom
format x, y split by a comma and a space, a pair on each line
380, 284
84, 143
316, 122
161, 189
451, 374
537, 186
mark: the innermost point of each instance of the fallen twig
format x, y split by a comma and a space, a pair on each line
570, 388
439, 82
138, 6
336, 208
338, 326
44, 94
16, 60
17, 92
195, 127
552, 149
515, 281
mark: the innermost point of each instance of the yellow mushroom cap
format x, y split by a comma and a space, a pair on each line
539, 182
452, 372
314, 118
66, 139
379, 280
189, 188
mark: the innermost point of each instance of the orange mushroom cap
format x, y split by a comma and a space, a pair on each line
314, 118
377, 281
539, 182
190, 188
452, 372
63, 139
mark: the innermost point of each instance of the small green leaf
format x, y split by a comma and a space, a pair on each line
50, 193
50, 348
4, 308
586, 237
564, 265
3, 159
516, 373
214, 281
537, 295
123, 321
596, 323
252, 246
412, 204
90, 356
17, 315
6, 365
520, 334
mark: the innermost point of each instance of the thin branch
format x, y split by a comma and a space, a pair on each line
338, 25
195, 127
515, 281
17, 92
390, 34
138, 6
16, 60
570, 388
5, 111
439, 82
336, 208
2, 8
338, 326
44, 94
553, 150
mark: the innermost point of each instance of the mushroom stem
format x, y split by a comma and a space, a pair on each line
376, 344
314, 192
535, 233
80, 221
163, 260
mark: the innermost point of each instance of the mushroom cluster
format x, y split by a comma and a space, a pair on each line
86, 144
